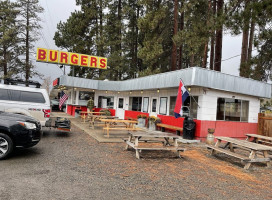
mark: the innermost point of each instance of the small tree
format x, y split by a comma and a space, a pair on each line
90, 104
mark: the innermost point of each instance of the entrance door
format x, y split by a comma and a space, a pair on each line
120, 111
154, 106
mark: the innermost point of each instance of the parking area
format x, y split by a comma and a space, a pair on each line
75, 166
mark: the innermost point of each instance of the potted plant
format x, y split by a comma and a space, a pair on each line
106, 112
90, 104
152, 121
141, 120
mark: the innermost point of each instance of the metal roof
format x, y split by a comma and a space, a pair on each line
193, 76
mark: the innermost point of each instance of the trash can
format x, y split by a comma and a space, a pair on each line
188, 128
77, 112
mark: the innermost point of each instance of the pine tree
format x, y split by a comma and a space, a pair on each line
29, 26
9, 40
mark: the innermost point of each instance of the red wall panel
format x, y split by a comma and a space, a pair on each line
134, 114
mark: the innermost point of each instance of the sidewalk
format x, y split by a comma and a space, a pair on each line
97, 133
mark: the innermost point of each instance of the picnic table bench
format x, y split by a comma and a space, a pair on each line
242, 144
143, 136
166, 126
85, 114
259, 139
94, 118
119, 124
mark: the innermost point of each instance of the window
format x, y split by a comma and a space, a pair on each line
163, 105
154, 105
232, 109
34, 97
121, 103
145, 106
189, 106
4, 94
15, 95
135, 103
85, 95
105, 102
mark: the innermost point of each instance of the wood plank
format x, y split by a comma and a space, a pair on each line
161, 148
170, 127
246, 144
259, 136
116, 128
228, 152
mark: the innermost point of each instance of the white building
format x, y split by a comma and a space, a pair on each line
230, 104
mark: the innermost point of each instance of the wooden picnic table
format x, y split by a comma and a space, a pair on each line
259, 139
93, 118
85, 114
114, 124
152, 137
253, 148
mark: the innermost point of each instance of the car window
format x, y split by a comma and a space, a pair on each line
4, 94
15, 95
34, 97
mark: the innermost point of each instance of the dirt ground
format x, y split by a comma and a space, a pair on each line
75, 166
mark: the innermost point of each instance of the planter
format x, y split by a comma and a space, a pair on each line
152, 126
141, 122
210, 136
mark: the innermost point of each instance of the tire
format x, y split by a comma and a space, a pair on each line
6, 146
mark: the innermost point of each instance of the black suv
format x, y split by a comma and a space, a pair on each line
17, 131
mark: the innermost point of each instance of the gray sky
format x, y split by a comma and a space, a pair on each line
59, 10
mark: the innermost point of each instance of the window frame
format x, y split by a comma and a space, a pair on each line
165, 105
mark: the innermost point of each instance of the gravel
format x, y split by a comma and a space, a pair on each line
75, 166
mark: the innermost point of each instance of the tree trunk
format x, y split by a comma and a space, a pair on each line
119, 34
205, 53
219, 38
5, 64
181, 29
212, 39
174, 47
251, 37
244, 68
192, 60
27, 70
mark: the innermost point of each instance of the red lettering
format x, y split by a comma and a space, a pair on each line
63, 57
93, 62
41, 54
102, 63
74, 59
53, 57
84, 60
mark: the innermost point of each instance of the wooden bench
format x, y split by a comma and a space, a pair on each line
254, 148
166, 126
260, 139
152, 137
120, 129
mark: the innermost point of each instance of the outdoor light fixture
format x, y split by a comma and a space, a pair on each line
158, 90
142, 91
189, 89
130, 92
106, 91
118, 92
93, 90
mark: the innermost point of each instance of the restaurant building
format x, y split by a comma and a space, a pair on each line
228, 103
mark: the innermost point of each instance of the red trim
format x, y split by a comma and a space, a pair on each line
134, 114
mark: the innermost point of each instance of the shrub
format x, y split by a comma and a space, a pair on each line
106, 111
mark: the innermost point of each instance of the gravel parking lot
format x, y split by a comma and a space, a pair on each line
75, 166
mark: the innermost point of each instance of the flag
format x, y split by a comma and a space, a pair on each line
63, 98
182, 95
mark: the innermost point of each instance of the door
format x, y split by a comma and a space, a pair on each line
154, 106
120, 111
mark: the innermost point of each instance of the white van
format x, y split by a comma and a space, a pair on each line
28, 101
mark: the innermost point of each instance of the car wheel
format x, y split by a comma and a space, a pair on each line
6, 146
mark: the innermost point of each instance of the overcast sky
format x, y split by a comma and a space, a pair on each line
59, 10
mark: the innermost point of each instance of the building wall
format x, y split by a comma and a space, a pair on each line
208, 104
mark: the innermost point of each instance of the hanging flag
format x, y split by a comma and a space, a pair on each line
63, 98
182, 95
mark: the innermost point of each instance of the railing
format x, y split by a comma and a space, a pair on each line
265, 124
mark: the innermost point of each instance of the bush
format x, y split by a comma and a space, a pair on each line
141, 116
106, 111
154, 119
